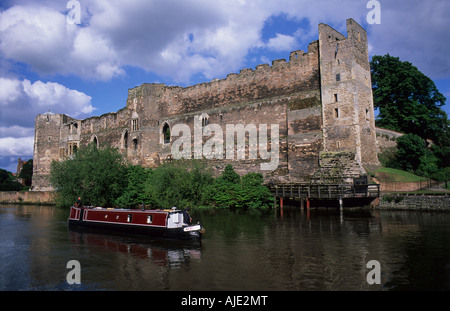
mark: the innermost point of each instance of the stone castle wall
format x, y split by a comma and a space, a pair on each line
296, 97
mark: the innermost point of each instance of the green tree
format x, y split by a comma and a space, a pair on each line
252, 193
223, 192
229, 190
97, 175
178, 184
442, 175
27, 172
230, 175
441, 150
7, 182
413, 156
408, 101
133, 195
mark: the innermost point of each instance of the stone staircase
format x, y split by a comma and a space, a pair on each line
337, 168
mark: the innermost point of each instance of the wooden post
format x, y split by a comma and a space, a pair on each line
281, 203
308, 212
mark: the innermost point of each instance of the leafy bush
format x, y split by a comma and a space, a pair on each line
7, 182
102, 178
133, 194
97, 175
231, 191
181, 184
413, 156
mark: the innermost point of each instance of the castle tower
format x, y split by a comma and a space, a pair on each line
346, 93
56, 136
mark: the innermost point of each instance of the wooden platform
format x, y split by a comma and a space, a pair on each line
332, 191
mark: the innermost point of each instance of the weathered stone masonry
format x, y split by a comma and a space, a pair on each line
321, 100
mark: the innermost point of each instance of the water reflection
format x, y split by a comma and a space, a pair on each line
171, 253
253, 250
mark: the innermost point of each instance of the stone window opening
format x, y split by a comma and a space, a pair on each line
336, 98
134, 125
125, 140
73, 148
94, 140
204, 121
135, 143
338, 77
62, 153
73, 128
166, 133
336, 112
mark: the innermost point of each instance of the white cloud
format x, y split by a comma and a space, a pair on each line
282, 42
148, 35
181, 38
16, 131
10, 146
42, 38
9, 91
22, 100
57, 97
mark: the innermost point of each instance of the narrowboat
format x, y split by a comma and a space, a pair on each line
171, 223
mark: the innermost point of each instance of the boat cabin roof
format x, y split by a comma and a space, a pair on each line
172, 210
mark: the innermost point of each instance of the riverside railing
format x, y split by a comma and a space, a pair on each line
324, 191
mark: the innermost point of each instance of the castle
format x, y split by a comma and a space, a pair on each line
316, 110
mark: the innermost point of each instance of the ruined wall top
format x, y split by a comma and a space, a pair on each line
300, 73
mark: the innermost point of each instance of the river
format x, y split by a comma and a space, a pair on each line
254, 250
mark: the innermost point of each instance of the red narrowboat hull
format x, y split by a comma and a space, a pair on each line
170, 224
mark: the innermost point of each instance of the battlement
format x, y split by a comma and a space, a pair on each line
301, 73
298, 57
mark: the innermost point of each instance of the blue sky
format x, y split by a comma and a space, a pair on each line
86, 69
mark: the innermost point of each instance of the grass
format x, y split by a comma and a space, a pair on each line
385, 174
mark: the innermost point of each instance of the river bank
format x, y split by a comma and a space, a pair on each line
27, 197
418, 202
387, 201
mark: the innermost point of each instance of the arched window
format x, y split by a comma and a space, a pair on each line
204, 121
94, 140
134, 125
73, 148
166, 133
135, 143
134, 122
125, 140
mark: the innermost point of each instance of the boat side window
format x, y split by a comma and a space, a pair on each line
129, 217
149, 219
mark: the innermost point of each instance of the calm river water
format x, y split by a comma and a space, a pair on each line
254, 250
